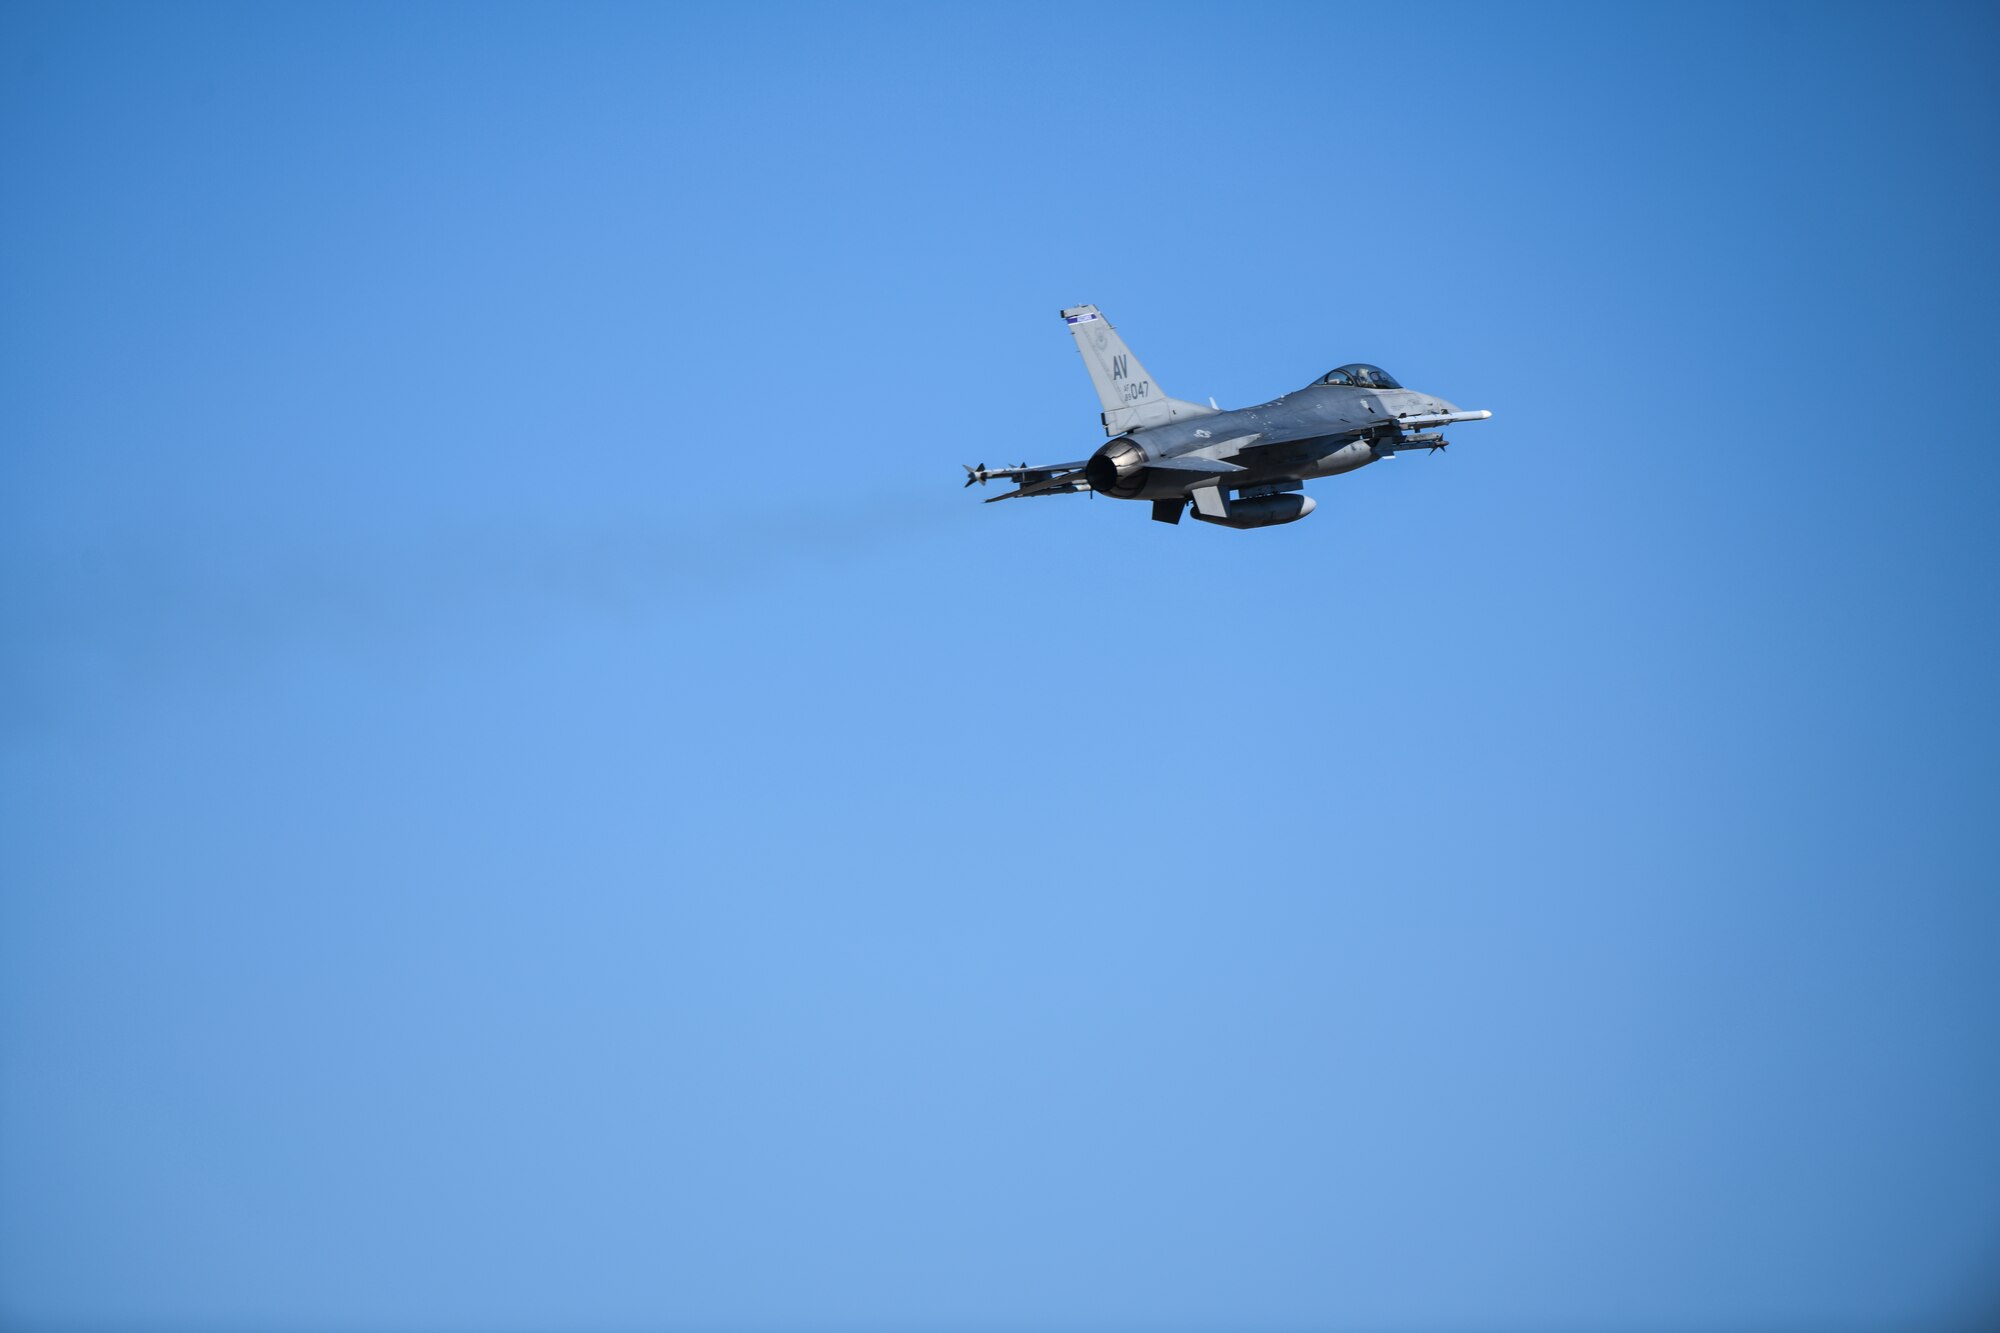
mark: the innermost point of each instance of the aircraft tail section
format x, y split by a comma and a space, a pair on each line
1131, 398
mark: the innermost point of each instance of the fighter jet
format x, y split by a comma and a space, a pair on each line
1242, 468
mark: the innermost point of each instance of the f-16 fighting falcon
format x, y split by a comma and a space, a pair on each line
1242, 468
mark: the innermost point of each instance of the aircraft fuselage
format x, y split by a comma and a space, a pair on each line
1317, 431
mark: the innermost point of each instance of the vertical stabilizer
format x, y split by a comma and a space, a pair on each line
1131, 398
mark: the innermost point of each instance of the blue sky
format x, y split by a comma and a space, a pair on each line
530, 799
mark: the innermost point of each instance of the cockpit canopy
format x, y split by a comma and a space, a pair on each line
1362, 376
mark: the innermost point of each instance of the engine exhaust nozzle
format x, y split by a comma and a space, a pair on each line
1118, 469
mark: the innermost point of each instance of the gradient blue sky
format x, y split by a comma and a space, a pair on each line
530, 799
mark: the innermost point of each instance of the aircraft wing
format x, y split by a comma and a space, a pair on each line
1240, 444
1053, 479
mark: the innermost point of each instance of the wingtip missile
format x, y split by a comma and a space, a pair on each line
1425, 420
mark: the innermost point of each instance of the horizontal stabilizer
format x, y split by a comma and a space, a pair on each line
1212, 467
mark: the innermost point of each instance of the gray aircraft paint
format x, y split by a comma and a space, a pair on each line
1132, 399
1174, 453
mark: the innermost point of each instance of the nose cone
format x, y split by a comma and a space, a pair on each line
1117, 470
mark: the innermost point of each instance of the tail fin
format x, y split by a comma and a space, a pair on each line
1130, 397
